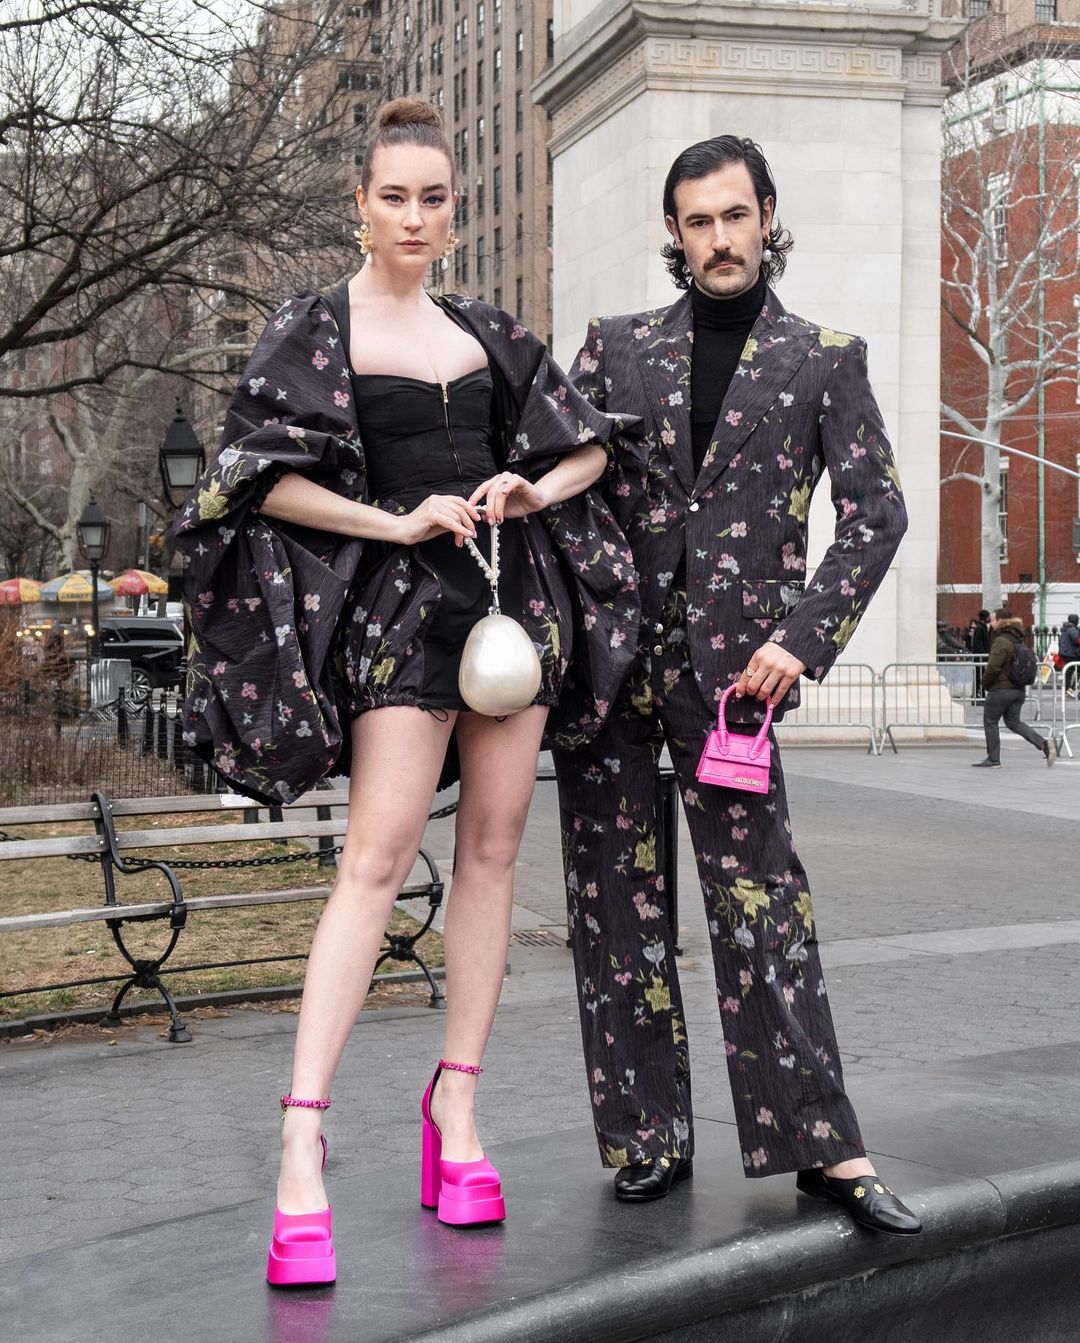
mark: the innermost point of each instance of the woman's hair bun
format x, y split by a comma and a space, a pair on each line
408, 112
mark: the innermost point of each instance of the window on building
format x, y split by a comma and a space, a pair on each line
550, 226
480, 267
975, 9
496, 77
480, 142
497, 299
551, 39
465, 35
419, 72
497, 14
461, 213
359, 115
464, 265
497, 254
519, 235
496, 128
479, 195
376, 44
550, 168
496, 188
519, 50
519, 111
479, 81
408, 26
457, 39
519, 172
1046, 11
464, 160
437, 97
480, 24
457, 96
997, 190
1003, 510
519, 296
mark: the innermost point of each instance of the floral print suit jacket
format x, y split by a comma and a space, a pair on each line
799, 404
269, 601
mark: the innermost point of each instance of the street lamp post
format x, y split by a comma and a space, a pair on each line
93, 530
181, 459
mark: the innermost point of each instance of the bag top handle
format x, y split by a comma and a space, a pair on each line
722, 727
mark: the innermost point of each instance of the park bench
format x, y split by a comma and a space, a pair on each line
115, 851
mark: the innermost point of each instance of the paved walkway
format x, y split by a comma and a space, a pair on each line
949, 910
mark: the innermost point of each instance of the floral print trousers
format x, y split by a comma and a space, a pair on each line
783, 1065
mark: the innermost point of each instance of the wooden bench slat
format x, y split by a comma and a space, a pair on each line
50, 848
62, 917
66, 811
173, 836
161, 806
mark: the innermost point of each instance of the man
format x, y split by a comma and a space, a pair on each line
978, 645
1069, 651
1005, 690
743, 405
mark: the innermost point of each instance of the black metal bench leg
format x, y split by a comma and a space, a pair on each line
147, 978
438, 998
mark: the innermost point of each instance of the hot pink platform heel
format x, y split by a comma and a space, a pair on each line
302, 1248
466, 1193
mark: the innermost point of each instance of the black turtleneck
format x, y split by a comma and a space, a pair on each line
721, 326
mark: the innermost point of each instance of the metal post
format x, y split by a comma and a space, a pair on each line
121, 717
162, 731
95, 616
327, 857
1041, 356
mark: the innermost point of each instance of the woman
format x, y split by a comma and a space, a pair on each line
330, 582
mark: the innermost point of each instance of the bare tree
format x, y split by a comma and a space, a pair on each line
171, 167
1009, 221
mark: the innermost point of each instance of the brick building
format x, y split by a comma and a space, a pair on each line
1012, 207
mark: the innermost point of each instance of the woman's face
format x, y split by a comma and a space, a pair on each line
408, 205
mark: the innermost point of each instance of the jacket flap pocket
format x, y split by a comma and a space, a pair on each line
770, 598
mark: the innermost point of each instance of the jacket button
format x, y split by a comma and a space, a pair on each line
694, 506
658, 649
658, 628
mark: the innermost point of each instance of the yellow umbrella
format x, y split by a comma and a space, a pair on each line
19, 592
73, 588
137, 583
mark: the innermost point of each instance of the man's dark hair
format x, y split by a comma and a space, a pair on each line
984, 615
709, 156
1003, 613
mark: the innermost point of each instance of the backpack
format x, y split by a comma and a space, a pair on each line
1024, 668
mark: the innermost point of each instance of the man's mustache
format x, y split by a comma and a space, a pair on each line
726, 260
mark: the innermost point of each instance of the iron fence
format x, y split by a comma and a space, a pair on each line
848, 698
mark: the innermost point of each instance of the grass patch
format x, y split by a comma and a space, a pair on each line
85, 951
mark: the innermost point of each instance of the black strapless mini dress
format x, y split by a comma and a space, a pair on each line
422, 438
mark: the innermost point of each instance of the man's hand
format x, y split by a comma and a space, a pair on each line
770, 674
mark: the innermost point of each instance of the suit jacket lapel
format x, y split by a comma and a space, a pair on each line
664, 350
773, 351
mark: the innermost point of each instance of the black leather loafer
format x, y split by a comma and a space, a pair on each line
868, 1199
651, 1179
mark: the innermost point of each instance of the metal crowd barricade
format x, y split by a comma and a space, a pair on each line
847, 699
1066, 706
924, 695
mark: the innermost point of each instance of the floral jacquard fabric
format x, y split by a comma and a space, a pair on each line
784, 1067
272, 604
800, 405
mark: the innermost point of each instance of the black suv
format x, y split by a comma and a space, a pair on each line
154, 647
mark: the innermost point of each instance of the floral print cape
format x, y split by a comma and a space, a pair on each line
267, 600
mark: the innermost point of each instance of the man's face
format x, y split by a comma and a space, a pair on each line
721, 230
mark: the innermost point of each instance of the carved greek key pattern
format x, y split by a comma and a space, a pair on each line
680, 56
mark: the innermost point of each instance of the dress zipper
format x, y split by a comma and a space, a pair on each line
450, 432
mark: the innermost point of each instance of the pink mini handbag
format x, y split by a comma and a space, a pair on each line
733, 759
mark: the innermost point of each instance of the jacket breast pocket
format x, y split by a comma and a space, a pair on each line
770, 598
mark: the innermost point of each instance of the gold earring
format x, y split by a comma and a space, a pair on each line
363, 237
452, 241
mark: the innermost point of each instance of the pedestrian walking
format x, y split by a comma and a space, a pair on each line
1010, 668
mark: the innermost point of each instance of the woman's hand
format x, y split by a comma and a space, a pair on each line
439, 513
509, 496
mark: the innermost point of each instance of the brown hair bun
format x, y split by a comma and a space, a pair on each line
408, 112
407, 121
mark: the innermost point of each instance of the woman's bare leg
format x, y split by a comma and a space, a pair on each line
498, 770
397, 756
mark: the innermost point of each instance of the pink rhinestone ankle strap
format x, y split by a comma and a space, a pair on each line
295, 1101
460, 1067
